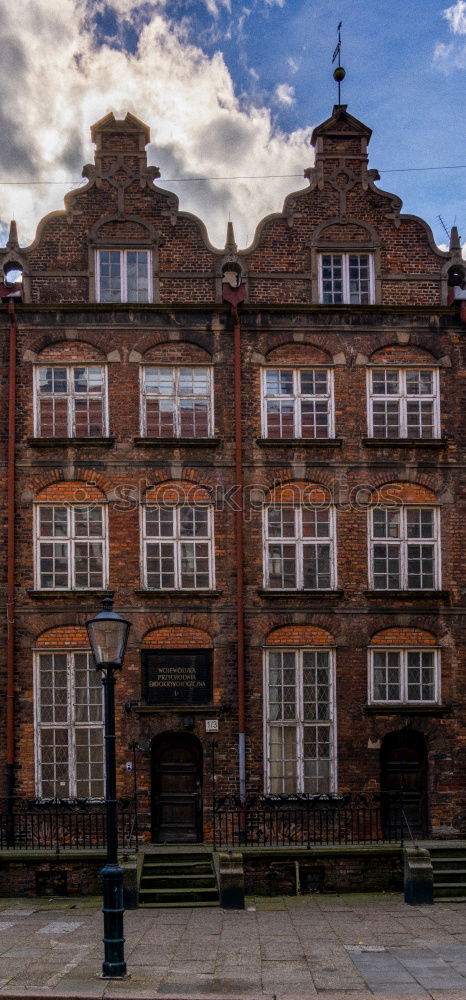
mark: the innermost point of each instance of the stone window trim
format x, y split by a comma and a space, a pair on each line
398, 564
121, 281
400, 400
303, 553
320, 404
399, 680
173, 560
177, 398
68, 724
298, 718
338, 292
63, 566
70, 396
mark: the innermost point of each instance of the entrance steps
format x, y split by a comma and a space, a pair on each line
178, 876
449, 865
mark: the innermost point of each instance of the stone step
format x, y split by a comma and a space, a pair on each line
450, 875
180, 867
177, 881
174, 896
170, 906
448, 889
448, 860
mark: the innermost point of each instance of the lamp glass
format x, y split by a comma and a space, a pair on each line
108, 637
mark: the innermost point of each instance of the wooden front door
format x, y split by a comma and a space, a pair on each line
404, 782
177, 789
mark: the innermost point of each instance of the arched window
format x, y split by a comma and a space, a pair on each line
299, 712
177, 538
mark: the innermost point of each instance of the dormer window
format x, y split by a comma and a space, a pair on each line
123, 276
346, 278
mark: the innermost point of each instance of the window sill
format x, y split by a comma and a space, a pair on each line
65, 442
406, 709
379, 442
178, 593
207, 709
332, 595
410, 595
66, 593
270, 442
181, 442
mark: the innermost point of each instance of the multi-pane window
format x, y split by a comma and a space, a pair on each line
70, 401
70, 547
403, 403
123, 276
403, 675
177, 543
405, 548
299, 548
177, 402
300, 750
69, 726
346, 277
297, 403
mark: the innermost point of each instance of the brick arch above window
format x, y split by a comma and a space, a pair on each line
181, 352
403, 637
399, 354
395, 494
76, 491
300, 354
175, 492
63, 637
80, 352
177, 637
299, 492
299, 635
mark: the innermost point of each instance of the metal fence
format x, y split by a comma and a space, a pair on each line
60, 829
307, 825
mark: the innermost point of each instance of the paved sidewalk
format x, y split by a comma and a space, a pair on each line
337, 947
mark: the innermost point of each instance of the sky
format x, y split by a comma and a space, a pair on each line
231, 91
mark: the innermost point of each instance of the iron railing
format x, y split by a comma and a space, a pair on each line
60, 828
306, 824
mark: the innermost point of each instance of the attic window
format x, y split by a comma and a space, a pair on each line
13, 272
123, 276
346, 278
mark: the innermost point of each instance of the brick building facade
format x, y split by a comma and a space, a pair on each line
261, 454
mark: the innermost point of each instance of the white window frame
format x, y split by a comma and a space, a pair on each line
298, 540
70, 540
345, 255
124, 274
402, 398
299, 721
71, 725
297, 398
144, 395
403, 653
402, 541
70, 397
176, 540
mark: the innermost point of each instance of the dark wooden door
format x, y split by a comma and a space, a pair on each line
404, 782
176, 790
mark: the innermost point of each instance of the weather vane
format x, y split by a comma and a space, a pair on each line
338, 73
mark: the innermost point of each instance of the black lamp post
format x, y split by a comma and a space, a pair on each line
108, 635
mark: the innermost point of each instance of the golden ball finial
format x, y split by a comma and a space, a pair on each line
339, 74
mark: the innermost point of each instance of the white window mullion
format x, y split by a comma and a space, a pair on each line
71, 725
299, 721
297, 403
299, 559
177, 547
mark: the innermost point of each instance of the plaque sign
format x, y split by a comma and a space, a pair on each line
177, 676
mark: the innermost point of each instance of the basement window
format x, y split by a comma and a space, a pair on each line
123, 276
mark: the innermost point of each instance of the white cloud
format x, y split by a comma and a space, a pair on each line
456, 17
274, 3
448, 57
199, 127
293, 64
284, 93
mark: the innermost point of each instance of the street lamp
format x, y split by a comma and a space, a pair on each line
108, 635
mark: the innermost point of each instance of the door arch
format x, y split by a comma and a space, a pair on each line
176, 789
403, 781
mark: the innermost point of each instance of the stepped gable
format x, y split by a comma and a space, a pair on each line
344, 210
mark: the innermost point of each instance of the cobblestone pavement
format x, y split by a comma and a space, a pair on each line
337, 947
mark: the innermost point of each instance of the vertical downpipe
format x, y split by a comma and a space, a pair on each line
10, 604
234, 296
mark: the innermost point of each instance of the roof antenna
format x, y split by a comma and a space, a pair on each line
339, 73
439, 217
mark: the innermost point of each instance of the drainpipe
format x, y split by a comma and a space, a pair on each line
10, 603
234, 296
